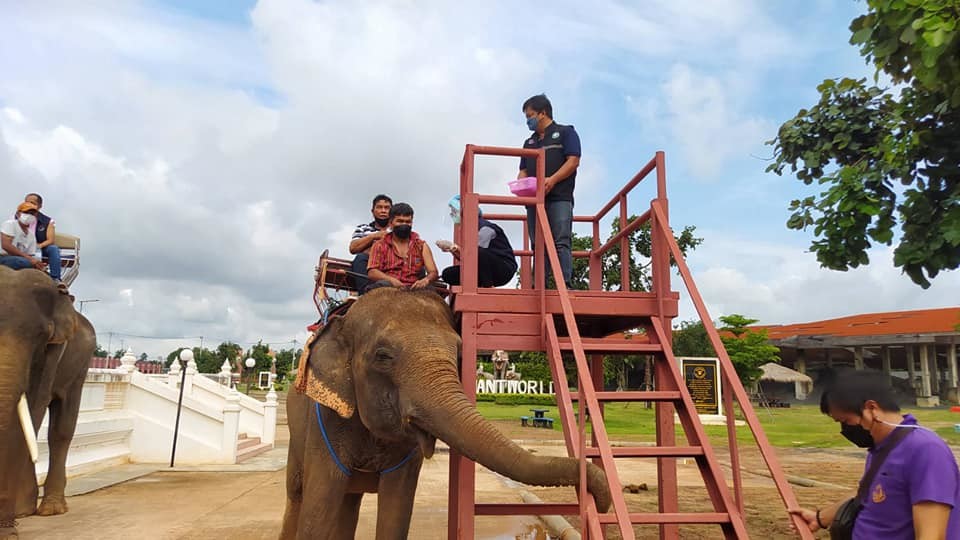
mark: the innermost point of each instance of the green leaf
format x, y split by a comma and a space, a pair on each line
909, 35
861, 36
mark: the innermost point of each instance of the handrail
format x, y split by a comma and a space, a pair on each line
730, 379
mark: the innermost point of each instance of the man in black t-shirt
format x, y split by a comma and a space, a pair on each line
561, 146
46, 236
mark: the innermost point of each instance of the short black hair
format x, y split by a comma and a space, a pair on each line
37, 195
850, 390
539, 103
401, 209
381, 197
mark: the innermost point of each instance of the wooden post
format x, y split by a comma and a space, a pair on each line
858, 358
885, 354
829, 358
924, 371
911, 365
800, 388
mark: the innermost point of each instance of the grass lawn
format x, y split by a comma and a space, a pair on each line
797, 426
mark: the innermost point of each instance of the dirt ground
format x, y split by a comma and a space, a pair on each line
220, 504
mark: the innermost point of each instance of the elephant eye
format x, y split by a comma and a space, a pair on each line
383, 355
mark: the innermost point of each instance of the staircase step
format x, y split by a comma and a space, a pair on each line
633, 396
656, 519
611, 346
253, 451
650, 451
247, 443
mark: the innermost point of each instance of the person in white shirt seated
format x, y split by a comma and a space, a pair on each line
18, 243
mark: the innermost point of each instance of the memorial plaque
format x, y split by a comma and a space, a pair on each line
700, 374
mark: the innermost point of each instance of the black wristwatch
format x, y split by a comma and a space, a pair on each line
820, 523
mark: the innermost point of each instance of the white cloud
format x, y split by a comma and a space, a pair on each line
206, 165
705, 119
779, 283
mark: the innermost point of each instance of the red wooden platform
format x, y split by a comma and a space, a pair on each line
589, 324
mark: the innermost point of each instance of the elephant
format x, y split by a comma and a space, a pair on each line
45, 350
381, 385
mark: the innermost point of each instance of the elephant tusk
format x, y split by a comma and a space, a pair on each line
23, 411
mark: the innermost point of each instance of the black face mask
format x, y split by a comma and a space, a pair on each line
858, 435
403, 231
381, 222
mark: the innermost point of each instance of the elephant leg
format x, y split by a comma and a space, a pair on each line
291, 515
395, 495
324, 490
349, 515
63, 423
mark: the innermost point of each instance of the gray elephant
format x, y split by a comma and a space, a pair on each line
45, 350
381, 386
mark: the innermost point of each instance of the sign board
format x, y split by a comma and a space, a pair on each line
264, 379
703, 382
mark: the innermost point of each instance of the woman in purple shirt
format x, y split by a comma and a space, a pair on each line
916, 490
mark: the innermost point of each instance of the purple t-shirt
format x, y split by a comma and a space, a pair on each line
920, 469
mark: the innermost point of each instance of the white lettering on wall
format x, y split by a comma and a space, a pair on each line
503, 386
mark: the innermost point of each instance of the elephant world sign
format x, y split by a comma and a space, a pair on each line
503, 386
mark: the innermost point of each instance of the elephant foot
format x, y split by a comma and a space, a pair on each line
8, 530
52, 506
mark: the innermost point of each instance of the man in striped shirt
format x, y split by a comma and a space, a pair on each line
364, 237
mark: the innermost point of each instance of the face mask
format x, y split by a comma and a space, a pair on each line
27, 219
532, 123
402, 231
858, 435
381, 222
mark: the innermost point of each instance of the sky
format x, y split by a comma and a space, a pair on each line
207, 152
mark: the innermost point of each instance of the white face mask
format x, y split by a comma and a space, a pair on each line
27, 219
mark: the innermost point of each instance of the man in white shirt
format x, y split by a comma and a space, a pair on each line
18, 243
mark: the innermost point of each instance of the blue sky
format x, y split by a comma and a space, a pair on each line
234, 141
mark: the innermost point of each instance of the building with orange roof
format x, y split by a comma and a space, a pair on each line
918, 347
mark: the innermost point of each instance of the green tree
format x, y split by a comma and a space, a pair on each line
640, 246
100, 352
885, 156
286, 361
119, 353
748, 349
690, 339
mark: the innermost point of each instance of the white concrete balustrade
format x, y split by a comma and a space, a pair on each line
127, 416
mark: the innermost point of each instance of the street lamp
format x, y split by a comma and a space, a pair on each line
82, 302
186, 356
249, 362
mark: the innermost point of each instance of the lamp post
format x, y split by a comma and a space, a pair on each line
186, 356
249, 362
82, 302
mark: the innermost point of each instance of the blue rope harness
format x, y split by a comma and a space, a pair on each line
336, 460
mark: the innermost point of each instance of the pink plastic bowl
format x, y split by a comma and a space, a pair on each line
524, 187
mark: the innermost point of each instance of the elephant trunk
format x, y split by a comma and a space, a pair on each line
453, 419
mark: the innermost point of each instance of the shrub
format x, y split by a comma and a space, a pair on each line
522, 399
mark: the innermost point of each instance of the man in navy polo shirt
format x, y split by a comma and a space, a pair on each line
46, 236
916, 491
561, 146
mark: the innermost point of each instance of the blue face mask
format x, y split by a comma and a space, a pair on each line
532, 123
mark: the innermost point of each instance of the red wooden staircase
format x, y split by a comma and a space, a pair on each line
562, 323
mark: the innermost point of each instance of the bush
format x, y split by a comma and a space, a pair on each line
519, 399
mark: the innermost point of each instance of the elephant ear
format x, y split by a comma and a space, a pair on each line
329, 379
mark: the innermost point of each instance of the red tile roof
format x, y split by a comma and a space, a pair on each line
921, 321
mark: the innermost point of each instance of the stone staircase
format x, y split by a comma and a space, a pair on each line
248, 447
281, 403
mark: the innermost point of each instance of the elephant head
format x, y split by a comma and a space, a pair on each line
37, 320
393, 360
